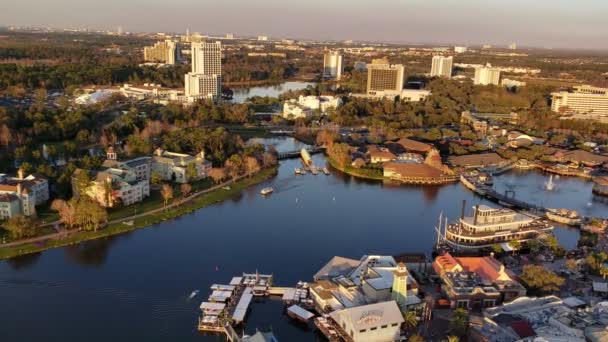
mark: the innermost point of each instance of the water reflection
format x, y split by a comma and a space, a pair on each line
92, 253
240, 95
23, 262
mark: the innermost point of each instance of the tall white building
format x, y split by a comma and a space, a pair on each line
205, 79
487, 75
399, 291
513, 46
441, 66
332, 65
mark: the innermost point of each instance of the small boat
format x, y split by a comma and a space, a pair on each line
314, 171
565, 216
193, 294
297, 171
266, 191
550, 185
227, 187
325, 171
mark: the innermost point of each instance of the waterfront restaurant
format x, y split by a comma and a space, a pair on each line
380, 322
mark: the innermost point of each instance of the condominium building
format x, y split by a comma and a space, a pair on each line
332, 65
460, 49
590, 102
383, 77
20, 195
486, 75
116, 182
180, 167
166, 52
441, 66
205, 79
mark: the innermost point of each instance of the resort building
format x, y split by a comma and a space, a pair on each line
379, 154
476, 282
486, 75
347, 283
148, 90
307, 106
489, 226
20, 195
414, 95
380, 322
384, 79
205, 79
478, 125
180, 167
431, 171
117, 182
441, 66
165, 52
476, 160
332, 65
585, 101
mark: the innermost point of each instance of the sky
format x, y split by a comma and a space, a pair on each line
534, 23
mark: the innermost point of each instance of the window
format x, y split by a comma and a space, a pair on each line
394, 324
362, 331
384, 327
374, 328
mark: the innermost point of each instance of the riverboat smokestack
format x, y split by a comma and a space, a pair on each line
476, 214
464, 205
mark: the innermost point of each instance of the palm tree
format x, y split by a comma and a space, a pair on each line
410, 320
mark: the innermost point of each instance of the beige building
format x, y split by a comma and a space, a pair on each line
117, 182
384, 78
166, 52
590, 102
486, 75
205, 79
441, 66
380, 322
332, 65
180, 167
20, 195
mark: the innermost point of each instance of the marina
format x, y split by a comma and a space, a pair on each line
95, 272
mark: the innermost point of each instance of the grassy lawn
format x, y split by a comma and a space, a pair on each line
118, 228
361, 173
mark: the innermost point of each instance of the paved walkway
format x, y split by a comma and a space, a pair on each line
62, 233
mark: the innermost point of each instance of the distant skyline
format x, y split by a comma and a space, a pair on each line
540, 23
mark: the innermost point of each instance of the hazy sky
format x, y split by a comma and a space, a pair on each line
542, 23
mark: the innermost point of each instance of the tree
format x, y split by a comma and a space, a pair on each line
82, 182
90, 215
410, 320
218, 174
251, 165
66, 211
453, 338
340, 152
234, 166
185, 189
541, 279
515, 244
20, 227
496, 248
191, 172
156, 178
167, 193
269, 159
415, 338
571, 265
459, 322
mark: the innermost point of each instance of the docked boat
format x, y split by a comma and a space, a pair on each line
490, 226
565, 216
314, 170
266, 191
306, 158
299, 313
325, 171
297, 171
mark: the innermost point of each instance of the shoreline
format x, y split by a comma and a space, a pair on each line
181, 207
349, 170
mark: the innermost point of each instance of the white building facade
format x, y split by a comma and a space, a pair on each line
487, 75
332, 65
442, 66
205, 79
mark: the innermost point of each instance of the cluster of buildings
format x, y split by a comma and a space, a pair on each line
364, 300
307, 106
20, 195
543, 319
386, 80
583, 101
128, 181
165, 52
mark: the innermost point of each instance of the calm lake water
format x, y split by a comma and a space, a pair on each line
242, 94
135, 286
